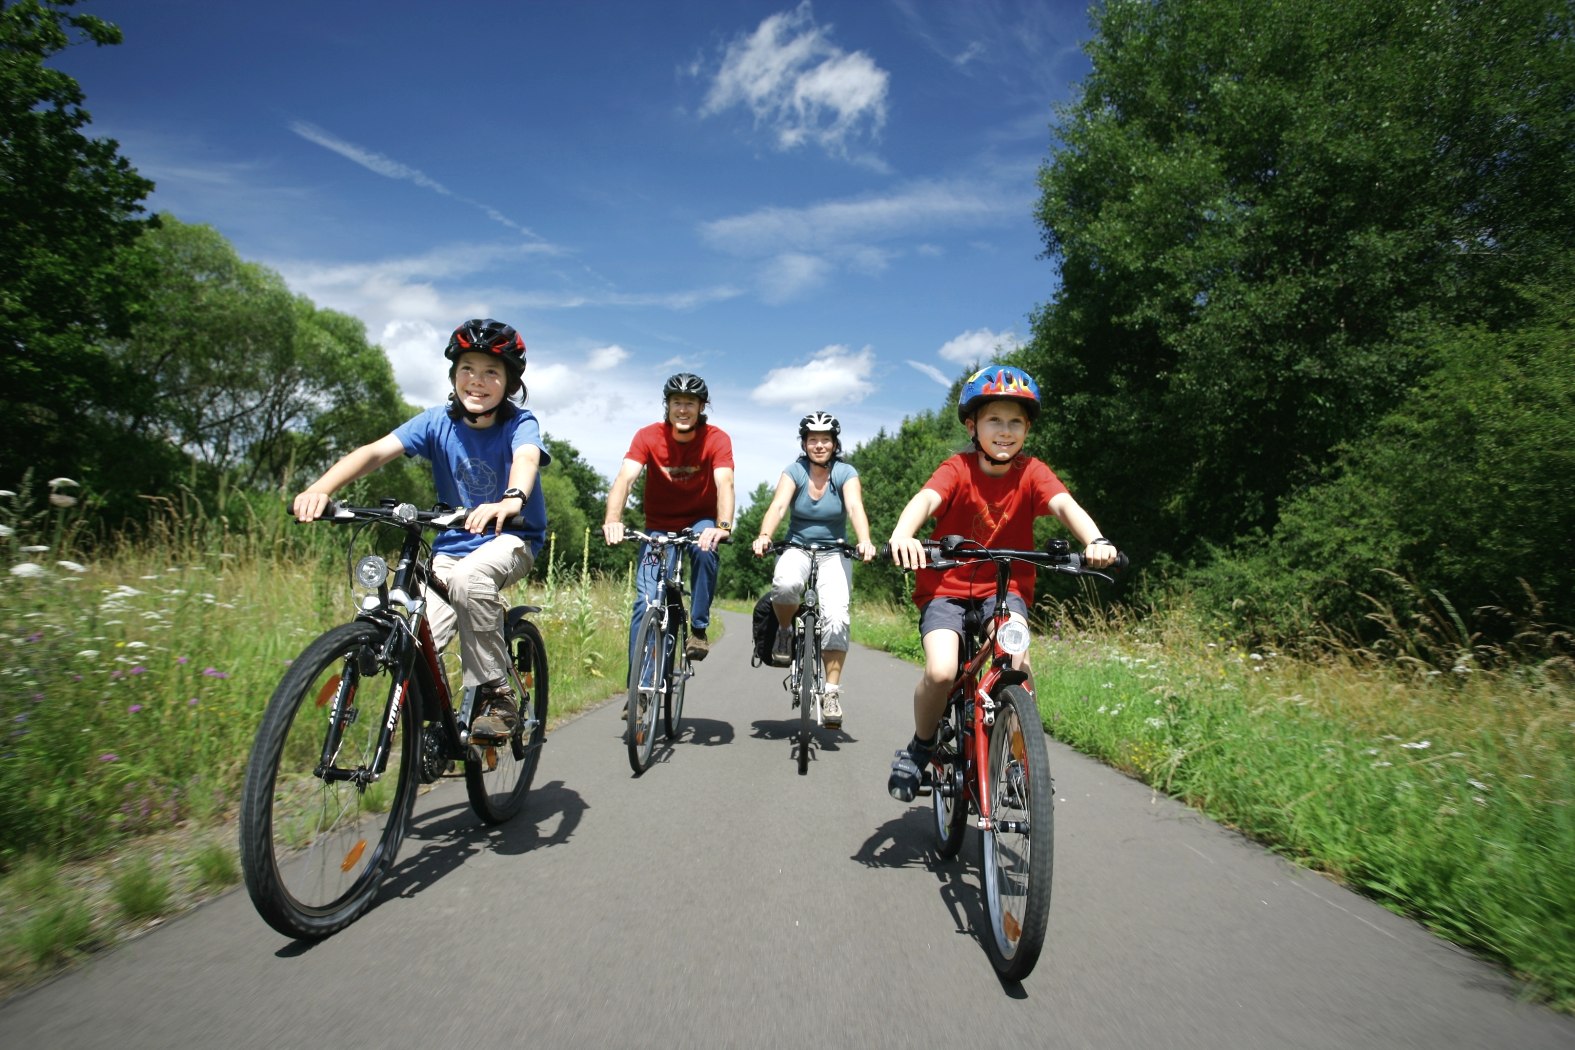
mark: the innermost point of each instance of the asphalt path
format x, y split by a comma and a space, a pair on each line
723, 900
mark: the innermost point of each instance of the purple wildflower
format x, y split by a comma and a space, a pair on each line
133, 709
109, 756
213, 672
183, 660
139, 669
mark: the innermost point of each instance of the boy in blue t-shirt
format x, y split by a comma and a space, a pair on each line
485, 448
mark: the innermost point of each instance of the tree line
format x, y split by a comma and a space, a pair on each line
1305, 350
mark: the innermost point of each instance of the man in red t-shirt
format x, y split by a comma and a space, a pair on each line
689, 486
990, 494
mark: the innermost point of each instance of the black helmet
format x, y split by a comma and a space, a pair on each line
686, 383
486, 336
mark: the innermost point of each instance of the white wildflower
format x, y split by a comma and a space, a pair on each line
7, 493
27, 569
1155, 723
6, 532
72, 566
63, 483
35, 548
87, 654
60, 499
1419, 745
1477, 784
1382, 765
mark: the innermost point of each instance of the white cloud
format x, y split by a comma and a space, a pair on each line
801, 86
393, 169
606, 357
979, 346
834, 375
791, 274
931, 371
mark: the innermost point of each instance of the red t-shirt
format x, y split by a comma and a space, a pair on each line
680, 478
995, 511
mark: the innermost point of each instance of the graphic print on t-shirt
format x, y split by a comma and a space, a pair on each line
477, 480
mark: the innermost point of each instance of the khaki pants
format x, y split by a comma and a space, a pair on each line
475, 585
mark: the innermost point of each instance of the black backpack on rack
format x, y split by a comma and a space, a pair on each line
763, 630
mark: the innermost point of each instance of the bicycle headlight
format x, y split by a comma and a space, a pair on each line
810, 597
371, 572
1013, 636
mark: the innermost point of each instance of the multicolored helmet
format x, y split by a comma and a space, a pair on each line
998, 383
686, 383
483, 335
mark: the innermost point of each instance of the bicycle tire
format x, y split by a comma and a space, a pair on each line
1018, 860
806, 689
678, 672
314, 851
498, 777
948, 790
646, 675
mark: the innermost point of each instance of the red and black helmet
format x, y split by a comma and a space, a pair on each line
483, 335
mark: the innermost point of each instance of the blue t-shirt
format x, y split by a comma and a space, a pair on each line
823, 520
471, 467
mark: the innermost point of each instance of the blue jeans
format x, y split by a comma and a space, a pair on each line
702, 583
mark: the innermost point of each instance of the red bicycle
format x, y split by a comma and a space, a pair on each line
991, 760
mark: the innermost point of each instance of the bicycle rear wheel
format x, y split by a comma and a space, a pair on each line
314, 850
678, 672
498, 776
647, 675
1019, 845
948, 791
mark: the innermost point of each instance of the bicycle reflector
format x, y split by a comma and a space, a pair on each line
1013, 635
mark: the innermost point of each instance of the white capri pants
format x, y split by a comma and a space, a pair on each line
834, 582
475, 585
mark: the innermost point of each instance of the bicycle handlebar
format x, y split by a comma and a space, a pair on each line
406, 514
681, 538
1058, 557
842, 547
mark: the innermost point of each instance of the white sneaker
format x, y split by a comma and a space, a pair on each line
831, 711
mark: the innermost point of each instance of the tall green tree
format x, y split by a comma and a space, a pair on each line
1257, 212
68, 202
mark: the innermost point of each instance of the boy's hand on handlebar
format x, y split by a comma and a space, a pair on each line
309, 506
612, 532
1100, 554
908, 553
487, 515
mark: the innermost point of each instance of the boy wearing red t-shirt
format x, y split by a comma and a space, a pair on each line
689, 486
990, 494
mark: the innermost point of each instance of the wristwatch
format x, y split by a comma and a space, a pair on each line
725, 525
518, 494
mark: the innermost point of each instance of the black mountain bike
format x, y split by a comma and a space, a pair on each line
991, 760
363, 717
659, 668
806, 678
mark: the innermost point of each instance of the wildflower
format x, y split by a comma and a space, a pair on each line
1382, 765
136, 645
138, 669
192, 702
1155, 723
35, 636
60, 499
87, 654
109, 756
1420, 745
1476, 784
35, 548
63, 483
27, 569
213, 672
133, 709
7, 493
183, 660
72, 566
6, 532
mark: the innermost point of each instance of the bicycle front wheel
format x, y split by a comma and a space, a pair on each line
314, 848
808, 693
647, 675
948, 790
498, 776
1019, 844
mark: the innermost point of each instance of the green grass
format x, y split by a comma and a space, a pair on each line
139, 891
1445, 796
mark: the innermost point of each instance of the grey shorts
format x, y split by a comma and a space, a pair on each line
946, 614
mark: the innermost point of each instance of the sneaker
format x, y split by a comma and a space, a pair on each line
500, 715
782, 647
697, 648
907, 770
831, 711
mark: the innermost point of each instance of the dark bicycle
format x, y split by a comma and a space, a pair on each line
806, 678
363, 717
659, 666
991, 760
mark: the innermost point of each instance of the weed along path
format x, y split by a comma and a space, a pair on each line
723, 900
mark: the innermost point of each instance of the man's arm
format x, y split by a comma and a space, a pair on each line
710, 538
617, 496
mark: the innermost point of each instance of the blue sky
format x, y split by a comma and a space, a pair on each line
814, 205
